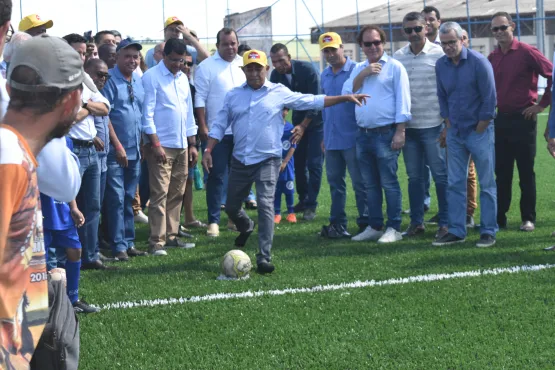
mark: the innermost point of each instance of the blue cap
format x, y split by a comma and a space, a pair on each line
124, 44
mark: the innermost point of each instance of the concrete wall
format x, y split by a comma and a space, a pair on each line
258, 33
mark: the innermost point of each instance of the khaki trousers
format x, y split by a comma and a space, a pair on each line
167, 185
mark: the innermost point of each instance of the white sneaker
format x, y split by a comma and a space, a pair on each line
368, 234
213, 230
141, 218
391, 236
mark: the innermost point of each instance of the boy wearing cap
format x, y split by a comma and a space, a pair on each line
253, 111
340, 132
34, 25
45, 82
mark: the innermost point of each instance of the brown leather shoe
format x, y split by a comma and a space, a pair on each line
121, 256
134, 252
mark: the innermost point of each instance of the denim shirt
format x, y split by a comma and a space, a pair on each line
126, 115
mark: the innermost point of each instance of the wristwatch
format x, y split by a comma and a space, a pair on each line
85, 104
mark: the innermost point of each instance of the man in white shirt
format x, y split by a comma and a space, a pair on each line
214, 78
169, 123
82, 134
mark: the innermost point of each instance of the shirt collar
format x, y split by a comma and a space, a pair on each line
218, 56
165, 71
117, 73
437, 41
464, 55
267, 84
346, 66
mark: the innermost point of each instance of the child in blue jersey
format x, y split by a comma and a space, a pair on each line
60, 223
286, 181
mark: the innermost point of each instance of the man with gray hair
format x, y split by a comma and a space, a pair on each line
467, 100
422, 133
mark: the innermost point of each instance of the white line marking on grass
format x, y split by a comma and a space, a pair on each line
331, 287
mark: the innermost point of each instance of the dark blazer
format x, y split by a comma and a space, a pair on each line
305, 80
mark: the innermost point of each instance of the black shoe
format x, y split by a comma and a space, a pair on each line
103, 258
84, 307
122, 256
447, 239
96, 265
433, 220
299, 208
265, 267
176, 243
486, 241
103, 244
241, 240
183, 234
134, 252
334, 232
414, 230
470, 222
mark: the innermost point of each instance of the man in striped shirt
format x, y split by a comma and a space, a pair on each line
422, 133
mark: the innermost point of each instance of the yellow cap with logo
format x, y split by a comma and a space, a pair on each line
255, 56
172, 20
32, 21
329, 40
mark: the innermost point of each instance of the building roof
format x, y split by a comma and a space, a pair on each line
449, 9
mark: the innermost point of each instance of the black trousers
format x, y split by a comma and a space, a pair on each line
515, 141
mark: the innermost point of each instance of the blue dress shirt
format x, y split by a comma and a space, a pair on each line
389, 92
125, 115
466, 91
103, 133
340, 124
256, 119
168, 107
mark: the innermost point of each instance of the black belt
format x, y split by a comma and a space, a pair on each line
85, 143
381, 129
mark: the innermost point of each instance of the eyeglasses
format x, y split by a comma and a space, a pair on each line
189, 64
103, 75
10, 33
130, 91
417, 29
369, 44
502, 28
449, 43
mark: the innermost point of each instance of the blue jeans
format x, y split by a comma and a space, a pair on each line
421, 149
121, 184
144, 187
88, 200
221, 156
428, 176
337, 162
103, 173
378, 166
482, 149
309, 160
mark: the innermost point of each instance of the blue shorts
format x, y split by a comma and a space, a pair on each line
62, 239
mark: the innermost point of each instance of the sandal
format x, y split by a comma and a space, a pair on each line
196, 225
251, 204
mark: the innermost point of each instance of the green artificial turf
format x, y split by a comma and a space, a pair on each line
500, 321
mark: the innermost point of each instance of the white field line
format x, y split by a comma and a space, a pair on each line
325, 288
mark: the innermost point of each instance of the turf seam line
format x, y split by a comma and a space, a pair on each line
330, 287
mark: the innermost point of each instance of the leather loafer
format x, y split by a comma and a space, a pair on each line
96, 265
134, 252
121, 256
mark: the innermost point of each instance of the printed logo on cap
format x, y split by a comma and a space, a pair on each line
327, 39
254, 55
175, 19
38, 18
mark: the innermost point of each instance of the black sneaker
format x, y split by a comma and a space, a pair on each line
434, 220
84, 307
447, 239
241, 240
265, 267
414, 230
334, 232
470, 222
486, 241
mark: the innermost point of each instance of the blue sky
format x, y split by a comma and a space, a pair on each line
141, 18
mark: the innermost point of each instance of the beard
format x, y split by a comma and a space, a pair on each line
62, 129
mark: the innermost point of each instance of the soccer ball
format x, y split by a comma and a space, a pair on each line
236, 264
58, 274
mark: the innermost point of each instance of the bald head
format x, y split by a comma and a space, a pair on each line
107, 53
98, 70
159, 52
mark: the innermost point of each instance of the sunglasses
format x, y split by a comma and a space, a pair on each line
417, 29
130, 91
502, 28
189, 64
369, 44
449, 43
103, 75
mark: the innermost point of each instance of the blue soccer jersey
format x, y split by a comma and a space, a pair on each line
289, 173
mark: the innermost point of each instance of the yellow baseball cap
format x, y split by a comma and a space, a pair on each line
255, 56
32, 21
329, 40
172, 20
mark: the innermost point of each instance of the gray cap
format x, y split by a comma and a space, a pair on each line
55, 61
